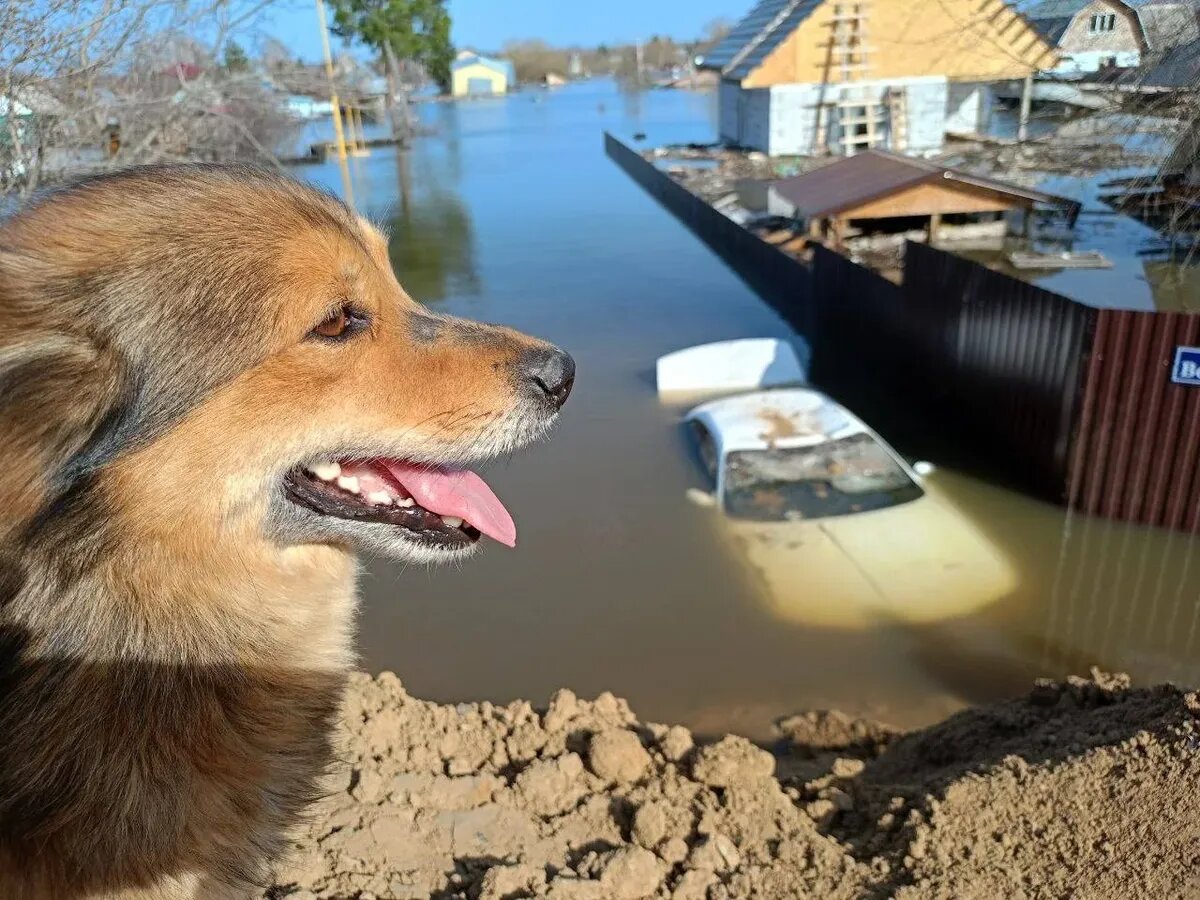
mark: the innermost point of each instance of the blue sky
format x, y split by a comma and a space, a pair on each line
487, 24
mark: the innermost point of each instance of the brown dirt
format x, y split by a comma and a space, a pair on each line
1083, 789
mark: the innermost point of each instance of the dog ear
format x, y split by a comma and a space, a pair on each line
60, 400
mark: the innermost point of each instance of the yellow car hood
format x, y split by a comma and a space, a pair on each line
917, 562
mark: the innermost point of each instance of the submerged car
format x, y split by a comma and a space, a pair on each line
843, 531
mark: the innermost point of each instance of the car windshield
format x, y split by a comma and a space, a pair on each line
837, 478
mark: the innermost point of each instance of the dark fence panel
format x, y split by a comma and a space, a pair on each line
781, 280
1001, 359
856, 345
1137, 451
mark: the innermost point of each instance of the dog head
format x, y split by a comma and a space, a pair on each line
226, 354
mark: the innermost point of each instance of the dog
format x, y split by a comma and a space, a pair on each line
214, 393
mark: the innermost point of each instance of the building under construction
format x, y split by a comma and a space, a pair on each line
811, 77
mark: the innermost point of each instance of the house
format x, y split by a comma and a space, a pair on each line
1096, 34
875, 186
299, 106
473, 75
817, 76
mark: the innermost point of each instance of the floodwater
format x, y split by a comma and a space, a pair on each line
510, 212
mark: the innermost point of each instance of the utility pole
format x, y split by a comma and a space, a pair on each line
637, 49
1026, 103
347, 188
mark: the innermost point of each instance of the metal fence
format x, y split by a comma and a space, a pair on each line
1137, 448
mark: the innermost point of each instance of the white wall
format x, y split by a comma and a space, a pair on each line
782, 120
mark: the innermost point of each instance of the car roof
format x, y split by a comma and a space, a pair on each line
764, 420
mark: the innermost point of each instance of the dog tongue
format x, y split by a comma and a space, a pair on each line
457, 492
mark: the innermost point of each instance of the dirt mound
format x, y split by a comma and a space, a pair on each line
1082, 789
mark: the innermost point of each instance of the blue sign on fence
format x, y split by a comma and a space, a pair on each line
1187, 366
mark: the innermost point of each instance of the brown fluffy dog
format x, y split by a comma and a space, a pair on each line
186, 354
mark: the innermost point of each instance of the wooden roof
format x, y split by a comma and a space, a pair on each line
874, 174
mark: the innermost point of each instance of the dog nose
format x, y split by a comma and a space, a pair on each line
552, 370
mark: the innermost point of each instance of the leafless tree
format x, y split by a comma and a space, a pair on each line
93, 84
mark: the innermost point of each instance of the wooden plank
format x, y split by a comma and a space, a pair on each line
937, 197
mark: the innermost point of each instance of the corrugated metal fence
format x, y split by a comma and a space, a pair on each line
1137, 448
1068, 402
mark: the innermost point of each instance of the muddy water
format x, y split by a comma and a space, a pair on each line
511, 213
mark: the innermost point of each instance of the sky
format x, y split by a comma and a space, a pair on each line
487, 24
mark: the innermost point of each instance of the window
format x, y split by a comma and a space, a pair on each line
1103, 23
707, 451
838, 478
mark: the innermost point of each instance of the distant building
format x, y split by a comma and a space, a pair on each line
472, 75
821, 76
302, 107
575, 66
1097, 34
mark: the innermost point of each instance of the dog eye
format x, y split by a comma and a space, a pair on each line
341, 323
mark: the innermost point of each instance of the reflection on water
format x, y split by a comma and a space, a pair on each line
431, 243
511, 213
1092, 591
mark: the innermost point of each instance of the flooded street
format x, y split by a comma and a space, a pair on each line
510, 212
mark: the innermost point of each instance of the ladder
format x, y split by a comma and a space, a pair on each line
848, 43
858, 112
897, 102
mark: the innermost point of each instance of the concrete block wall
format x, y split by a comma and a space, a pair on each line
794, 114
728, 97
969, 107
926, 113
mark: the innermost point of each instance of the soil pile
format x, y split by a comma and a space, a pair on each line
1082, 789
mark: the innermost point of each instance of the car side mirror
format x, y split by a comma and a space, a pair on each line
924, 469
701, 498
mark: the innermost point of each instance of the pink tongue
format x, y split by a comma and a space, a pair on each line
450, 492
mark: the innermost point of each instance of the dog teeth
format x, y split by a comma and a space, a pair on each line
348, 483
380, 498
405, 501
326, 471
452, 521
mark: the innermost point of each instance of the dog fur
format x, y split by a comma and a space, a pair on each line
174, 635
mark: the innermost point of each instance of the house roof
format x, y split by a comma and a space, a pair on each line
873, 174
1052, 28
753, 39
496, 65
1168, 25
1179, 67
1164, 23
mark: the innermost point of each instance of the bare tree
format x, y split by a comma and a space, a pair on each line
94, 84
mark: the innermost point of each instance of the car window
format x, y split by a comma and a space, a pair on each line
837, 478
706, 449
